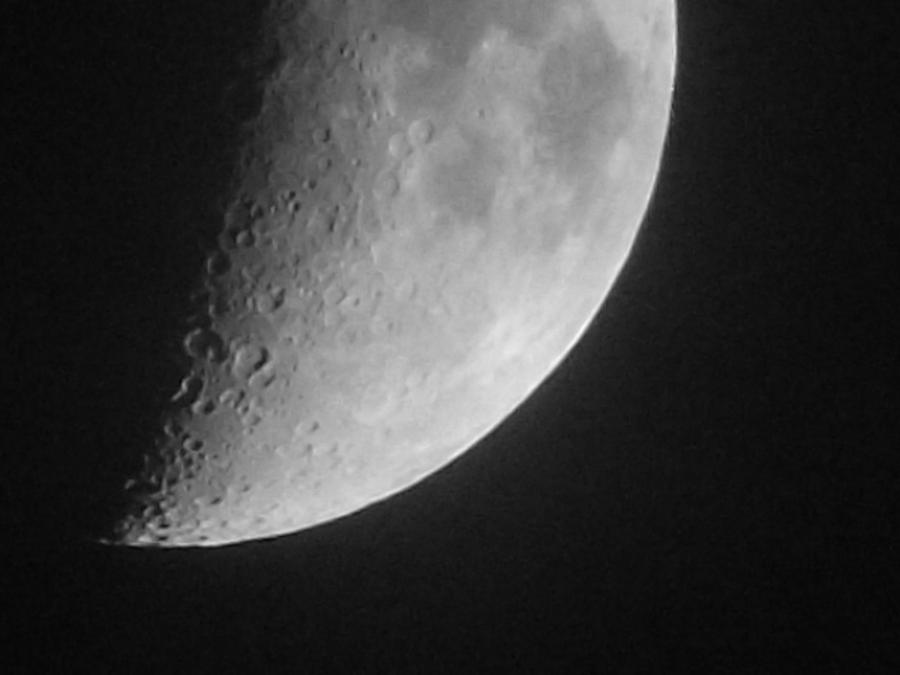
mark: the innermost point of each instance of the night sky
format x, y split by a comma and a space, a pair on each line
709, 482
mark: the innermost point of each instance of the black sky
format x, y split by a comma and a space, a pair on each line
709, 482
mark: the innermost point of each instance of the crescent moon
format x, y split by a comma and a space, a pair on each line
429, 208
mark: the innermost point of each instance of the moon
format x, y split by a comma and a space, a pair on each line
428, 208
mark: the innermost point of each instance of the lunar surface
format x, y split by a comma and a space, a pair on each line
429, 207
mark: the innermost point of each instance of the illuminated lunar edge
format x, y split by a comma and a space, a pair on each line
432, 204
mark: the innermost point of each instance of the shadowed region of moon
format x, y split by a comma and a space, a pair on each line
429, 207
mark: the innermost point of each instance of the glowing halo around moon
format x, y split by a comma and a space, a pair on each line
430, 206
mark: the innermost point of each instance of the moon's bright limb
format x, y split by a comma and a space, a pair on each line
431, 206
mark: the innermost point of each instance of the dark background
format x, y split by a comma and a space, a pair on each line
709, 482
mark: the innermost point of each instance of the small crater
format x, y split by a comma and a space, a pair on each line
420, 133
321, 136
386, 186
245, 238
346, 50
262, 378
270, 301
248, 359
172, 429
251, 419
190, 389
203, 343
398, 146
219, 305
333, 295
217, 264
324, 164
204, 406
354, 301
306, 428
192, 445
